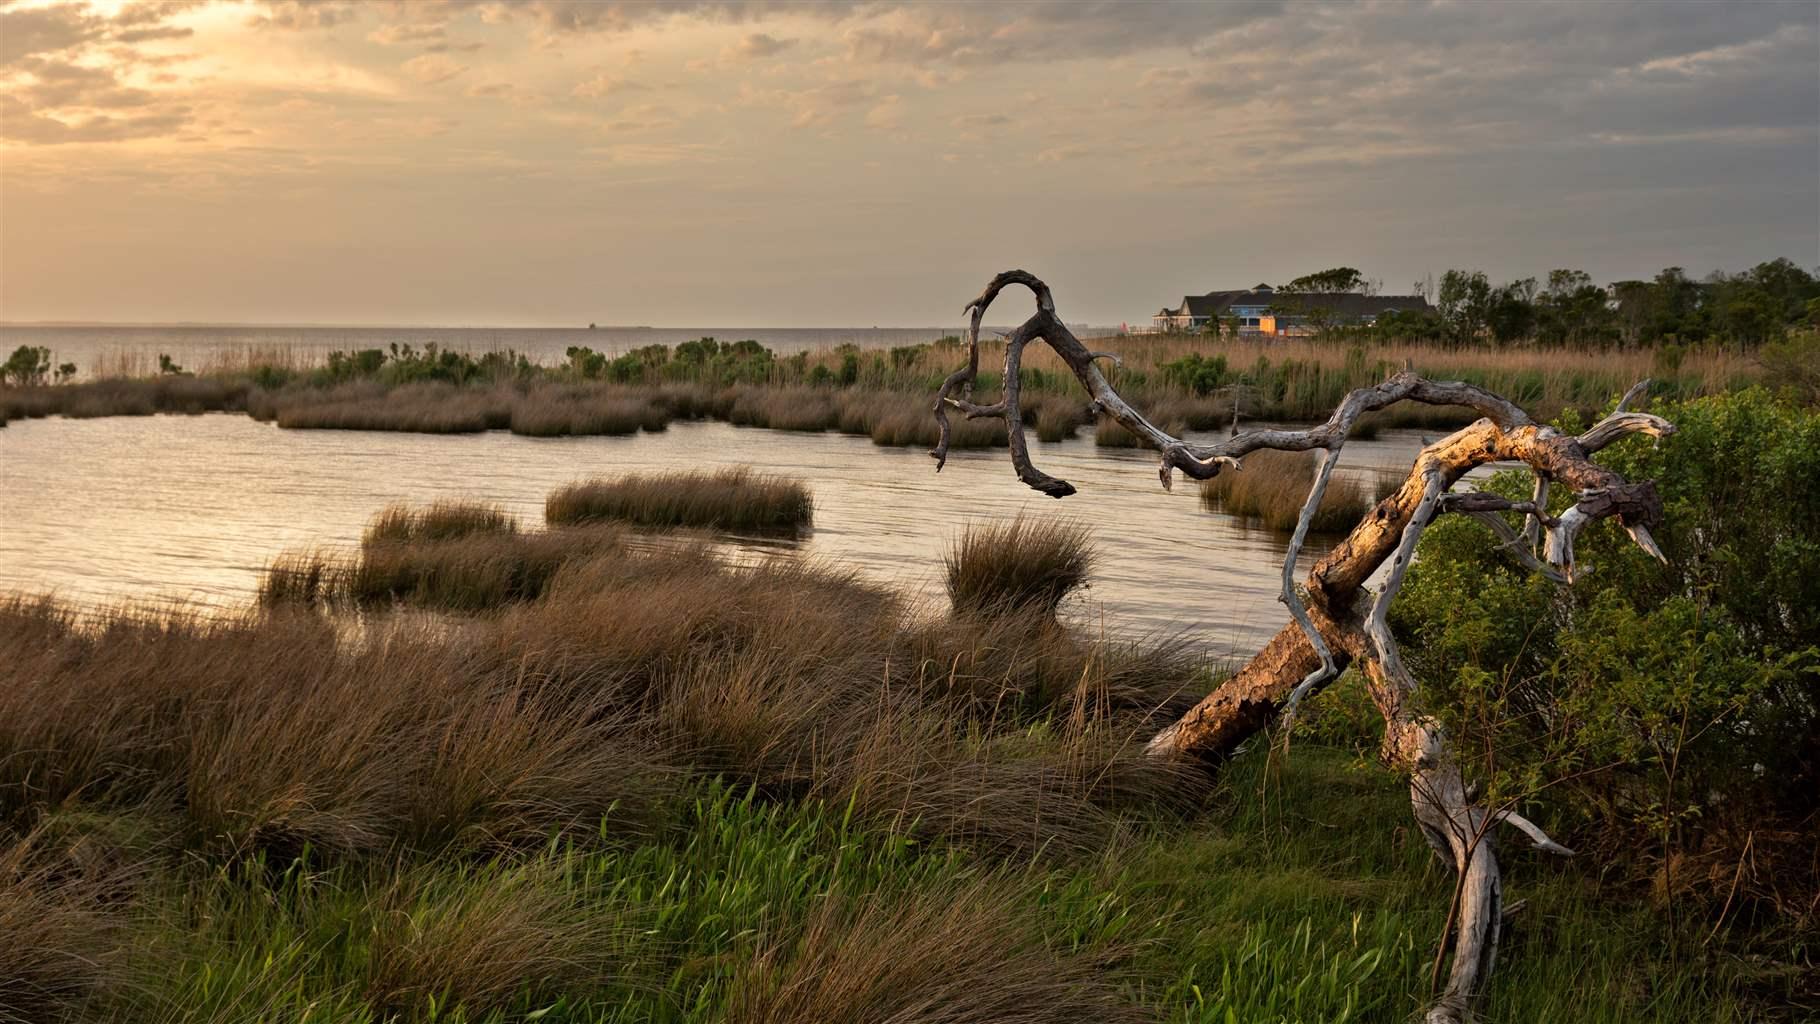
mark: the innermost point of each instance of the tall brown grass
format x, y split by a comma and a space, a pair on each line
145, 396
475, 571
1272, 487
62, 948
1023, 562
591, 703
908, 422
727, 499
516, 934
433, 408
963, 954
441, 520
1057, 420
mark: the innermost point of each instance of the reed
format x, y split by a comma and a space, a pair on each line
907, 422
1058, 420
63, 946
961, 953
770, 783
441, 520
1272, 487
1110, 433
800, 409
277, 733
512, 935
735, 499
1017, 564
145, 396
414, 408
485, 567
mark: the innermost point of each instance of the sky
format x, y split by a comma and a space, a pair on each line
553, 163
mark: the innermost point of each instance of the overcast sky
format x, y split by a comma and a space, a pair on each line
723, 164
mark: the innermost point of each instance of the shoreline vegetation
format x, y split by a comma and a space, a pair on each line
660, 786
1192, 382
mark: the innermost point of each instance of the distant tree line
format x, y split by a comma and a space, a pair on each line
1566, 308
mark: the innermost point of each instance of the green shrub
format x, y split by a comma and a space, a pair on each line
1652, 708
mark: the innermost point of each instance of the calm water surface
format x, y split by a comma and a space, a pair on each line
190, 509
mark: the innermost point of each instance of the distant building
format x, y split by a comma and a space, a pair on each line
1263, 310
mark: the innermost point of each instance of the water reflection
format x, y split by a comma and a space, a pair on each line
192, 508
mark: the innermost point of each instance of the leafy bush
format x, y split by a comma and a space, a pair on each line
1649, 708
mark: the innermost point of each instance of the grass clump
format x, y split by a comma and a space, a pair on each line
1110, 433
1058, 420
1023, 563
441, 520
474, 572
1272, 487
62, 947
734, 498
507, 937
960, 953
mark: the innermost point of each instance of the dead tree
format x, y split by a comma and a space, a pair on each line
1335, 621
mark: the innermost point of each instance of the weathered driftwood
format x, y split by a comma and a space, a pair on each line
1332, 626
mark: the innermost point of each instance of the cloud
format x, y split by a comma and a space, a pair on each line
20, 123
887, 116
303, 15
431, 68
756, 46
408, 32
605, 84
35, 30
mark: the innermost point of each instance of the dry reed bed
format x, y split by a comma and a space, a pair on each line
735, 499
276, 731
1272, 487
473, 572
125, 397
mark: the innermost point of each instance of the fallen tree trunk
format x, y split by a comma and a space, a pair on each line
1332, 626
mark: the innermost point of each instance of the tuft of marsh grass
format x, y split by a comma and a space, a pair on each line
734, 499
423, 408
441, 520
1110, 433
510, 937
1272, 487
911, 424
1058, 420
1020, 563
62, 948
469, 572
963, 953
801, 409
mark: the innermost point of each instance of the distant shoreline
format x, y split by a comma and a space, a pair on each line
193, 326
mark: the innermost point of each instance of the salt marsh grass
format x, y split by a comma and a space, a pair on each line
773, 786
1019, 563
729, 499
1272, 487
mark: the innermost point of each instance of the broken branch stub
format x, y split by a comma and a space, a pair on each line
1333, 627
